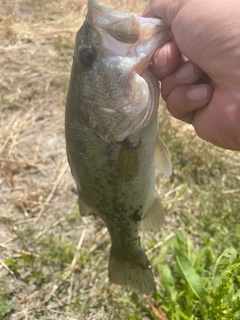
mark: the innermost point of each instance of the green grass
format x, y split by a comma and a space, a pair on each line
198, 284
200, 267
6, 305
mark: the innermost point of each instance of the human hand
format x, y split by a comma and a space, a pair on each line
200, 68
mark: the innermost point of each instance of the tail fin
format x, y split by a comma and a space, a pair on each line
135, 273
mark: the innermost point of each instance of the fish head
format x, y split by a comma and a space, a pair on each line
113, 50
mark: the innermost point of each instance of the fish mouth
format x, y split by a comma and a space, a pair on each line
125, 46
127, 36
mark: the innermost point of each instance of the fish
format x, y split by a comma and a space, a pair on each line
111, 130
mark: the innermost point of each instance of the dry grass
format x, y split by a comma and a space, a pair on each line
53, 263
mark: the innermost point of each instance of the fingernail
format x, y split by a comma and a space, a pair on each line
197, 94
185, 72
161, 58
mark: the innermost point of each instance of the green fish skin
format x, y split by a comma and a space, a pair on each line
112, 140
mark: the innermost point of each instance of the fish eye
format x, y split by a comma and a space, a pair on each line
86, 56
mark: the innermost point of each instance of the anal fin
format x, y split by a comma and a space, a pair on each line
155, 216
162, 158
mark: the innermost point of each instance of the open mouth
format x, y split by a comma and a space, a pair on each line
127, 36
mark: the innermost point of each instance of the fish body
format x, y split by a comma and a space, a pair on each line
111, 126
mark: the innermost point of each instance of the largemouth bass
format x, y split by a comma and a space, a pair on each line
112, 138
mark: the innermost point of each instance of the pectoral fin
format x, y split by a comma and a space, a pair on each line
155, 216
162, 158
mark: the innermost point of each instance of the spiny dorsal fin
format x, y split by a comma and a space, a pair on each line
155, 216
162, 158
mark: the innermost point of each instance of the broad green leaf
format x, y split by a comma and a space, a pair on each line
193, 279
